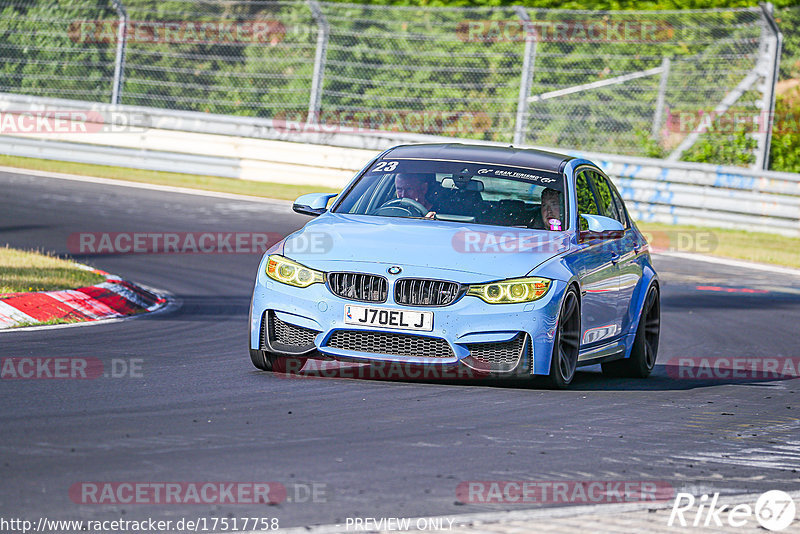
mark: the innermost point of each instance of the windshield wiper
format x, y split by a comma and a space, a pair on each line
454, 218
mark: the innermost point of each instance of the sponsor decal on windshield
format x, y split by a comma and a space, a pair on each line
503, 173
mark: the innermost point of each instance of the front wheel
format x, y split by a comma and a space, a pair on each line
645, 344
267, 361
566, 345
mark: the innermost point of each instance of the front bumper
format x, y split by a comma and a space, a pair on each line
469, 331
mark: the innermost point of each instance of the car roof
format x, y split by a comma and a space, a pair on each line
500, 155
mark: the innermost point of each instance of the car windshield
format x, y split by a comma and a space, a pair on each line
464, 192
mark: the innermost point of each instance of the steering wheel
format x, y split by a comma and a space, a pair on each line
402, 207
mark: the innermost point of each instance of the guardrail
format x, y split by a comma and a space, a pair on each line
263, 149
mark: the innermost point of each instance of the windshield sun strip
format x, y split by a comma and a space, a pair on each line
478, 163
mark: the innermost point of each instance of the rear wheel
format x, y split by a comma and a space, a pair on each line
267, 361
566, 345
645, 345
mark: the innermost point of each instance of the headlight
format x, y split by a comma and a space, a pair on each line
511, 291
290, 272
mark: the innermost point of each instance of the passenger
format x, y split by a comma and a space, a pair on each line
550, 217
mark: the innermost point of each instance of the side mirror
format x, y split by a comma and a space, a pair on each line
602, 227
313, 204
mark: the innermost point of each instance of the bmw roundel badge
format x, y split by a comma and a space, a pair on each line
394, 269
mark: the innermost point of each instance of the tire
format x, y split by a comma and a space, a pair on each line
645, 344
566, 345
267, 361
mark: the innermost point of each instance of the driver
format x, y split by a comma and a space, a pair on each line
416, 186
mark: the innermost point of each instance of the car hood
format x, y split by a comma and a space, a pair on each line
332, 240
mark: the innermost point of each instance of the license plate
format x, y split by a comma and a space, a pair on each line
388, 318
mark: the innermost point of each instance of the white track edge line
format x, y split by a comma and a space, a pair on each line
730, 262
463, 520
143, 185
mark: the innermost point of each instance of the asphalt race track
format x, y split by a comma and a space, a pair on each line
201, 412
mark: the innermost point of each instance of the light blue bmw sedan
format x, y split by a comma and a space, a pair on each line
511, 262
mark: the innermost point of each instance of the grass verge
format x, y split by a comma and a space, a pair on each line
24, 270
50, 322
738, 244
751, 246
175, 179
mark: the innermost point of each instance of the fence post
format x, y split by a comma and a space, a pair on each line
662, 93
119, 61
528, 62
773, 52
730, 99
315, 100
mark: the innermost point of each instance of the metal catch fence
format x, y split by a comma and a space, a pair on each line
640, 83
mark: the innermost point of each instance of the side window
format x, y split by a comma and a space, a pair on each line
607, 206
586, 202
623, 217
